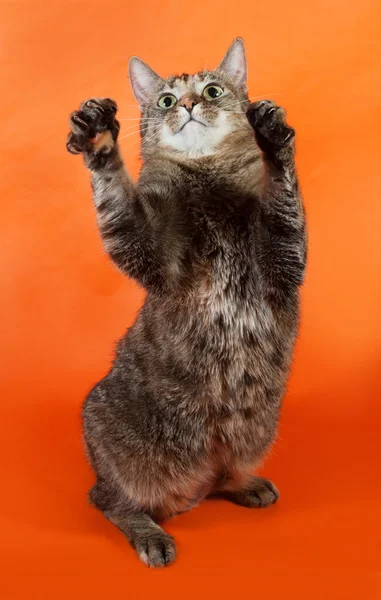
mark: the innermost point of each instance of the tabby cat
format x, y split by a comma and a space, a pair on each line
214, 230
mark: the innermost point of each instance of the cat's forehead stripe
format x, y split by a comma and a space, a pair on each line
186, 78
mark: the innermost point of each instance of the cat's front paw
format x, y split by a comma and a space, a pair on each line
93, 127
272, 133
156, 549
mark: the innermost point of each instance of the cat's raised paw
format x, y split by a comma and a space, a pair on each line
156, 550
269, 123
93, 127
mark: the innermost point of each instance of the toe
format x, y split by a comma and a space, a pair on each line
73, 145
258, 110
158, 551
100, 106
263, 492
79, 121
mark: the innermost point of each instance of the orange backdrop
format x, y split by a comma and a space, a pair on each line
63, 304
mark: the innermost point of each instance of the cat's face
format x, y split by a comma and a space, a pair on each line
192, 114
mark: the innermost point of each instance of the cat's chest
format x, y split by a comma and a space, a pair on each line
229, 292
239, 327
234, 312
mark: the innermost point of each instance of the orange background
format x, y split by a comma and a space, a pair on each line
63, 304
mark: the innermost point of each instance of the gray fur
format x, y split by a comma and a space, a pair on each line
192, 401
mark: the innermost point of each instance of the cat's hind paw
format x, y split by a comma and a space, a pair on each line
257, 493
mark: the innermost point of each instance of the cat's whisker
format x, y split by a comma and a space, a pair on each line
126, 136
251, 99
139, 119
129, 128
130, 125
235, 112
150, 137
155, 127
235, 103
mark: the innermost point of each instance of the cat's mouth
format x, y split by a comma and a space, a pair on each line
190, 120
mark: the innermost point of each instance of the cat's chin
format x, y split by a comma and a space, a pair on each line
196, 138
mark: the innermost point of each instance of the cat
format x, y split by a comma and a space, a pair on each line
215, 231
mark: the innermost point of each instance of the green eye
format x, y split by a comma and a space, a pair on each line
167, 101
212, 91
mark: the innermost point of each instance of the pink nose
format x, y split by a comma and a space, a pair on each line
189, 102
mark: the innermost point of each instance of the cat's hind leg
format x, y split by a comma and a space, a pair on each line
257, 492
108, 439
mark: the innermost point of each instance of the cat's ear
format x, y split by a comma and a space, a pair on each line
234, 63
143, 79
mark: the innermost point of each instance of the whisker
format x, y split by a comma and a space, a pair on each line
126, 136
150, 137
236, 103
139, 119
251, 99
123, 131
130, 127
138, 131
151, 132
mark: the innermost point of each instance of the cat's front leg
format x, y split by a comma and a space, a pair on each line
122, 215
281, 238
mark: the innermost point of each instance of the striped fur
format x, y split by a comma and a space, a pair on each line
192, 401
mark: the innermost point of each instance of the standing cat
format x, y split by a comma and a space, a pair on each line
215, 232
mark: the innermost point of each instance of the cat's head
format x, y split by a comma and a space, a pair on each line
192, 114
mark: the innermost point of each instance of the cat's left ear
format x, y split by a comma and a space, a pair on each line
143, 80
234, 63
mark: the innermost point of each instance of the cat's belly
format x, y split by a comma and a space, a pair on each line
237, 442
246, 395
223, 369
242, 437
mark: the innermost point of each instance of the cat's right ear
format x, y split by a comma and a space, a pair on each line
234, 63
143, 80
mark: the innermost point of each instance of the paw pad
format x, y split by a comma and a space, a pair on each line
93, 126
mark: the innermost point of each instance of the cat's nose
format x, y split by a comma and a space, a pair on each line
189, 102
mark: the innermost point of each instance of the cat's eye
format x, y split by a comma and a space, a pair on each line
212, 91
167, 101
